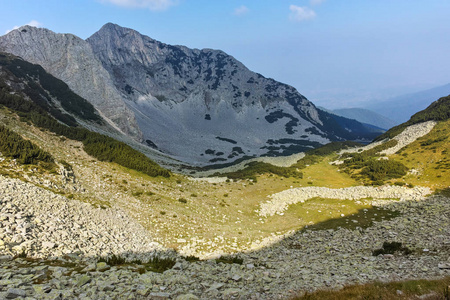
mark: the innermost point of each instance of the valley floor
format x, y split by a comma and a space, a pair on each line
66, 237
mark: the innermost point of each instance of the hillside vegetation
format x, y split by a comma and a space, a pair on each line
313, 156
39, 112
370, 167
42, 88
25, 152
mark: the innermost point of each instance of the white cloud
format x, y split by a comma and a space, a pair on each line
316, 2
241, 10
33, 23
148, 4
299, 14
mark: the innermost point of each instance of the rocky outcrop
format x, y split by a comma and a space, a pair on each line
43, 224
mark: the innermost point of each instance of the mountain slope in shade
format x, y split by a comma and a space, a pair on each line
366, 116
401, 108
199, 106
71, 59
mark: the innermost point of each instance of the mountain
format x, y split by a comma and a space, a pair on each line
366, 116
401, 108
198, 106
40, 99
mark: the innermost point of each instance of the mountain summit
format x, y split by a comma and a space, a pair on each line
198, 106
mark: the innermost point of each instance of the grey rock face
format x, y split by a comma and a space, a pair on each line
203, 99
71, 59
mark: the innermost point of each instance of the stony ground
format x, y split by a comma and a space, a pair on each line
66, 237
409, 135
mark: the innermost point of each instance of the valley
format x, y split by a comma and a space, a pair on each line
329, 232
178, 173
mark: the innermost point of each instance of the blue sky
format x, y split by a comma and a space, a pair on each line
336, 53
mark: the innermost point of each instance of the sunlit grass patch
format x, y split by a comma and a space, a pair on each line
412, 289
322, 214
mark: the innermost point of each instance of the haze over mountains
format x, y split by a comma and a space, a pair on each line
198, 106
366, 116
401, 108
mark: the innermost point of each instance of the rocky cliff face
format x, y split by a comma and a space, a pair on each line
199, 106
71, 59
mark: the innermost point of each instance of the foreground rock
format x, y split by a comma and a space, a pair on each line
305, 261
43, 224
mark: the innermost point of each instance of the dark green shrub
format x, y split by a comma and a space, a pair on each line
256, 168
25, 152
160, 265
392, 248
22, 254
230, 260
379, 170
191, 258
113, 260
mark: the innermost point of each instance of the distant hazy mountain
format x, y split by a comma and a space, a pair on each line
401, 108
198, 106
355, 125
366, 116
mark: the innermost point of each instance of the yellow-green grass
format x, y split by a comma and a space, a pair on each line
176, 209
411, 289
324, 174
321, 213
430, 156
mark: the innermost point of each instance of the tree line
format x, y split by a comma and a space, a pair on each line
102, 147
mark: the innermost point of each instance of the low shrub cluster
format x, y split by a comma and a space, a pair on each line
113, 260
255, 168
156, 264
392, 248
231, 259
371, 167
25, 152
